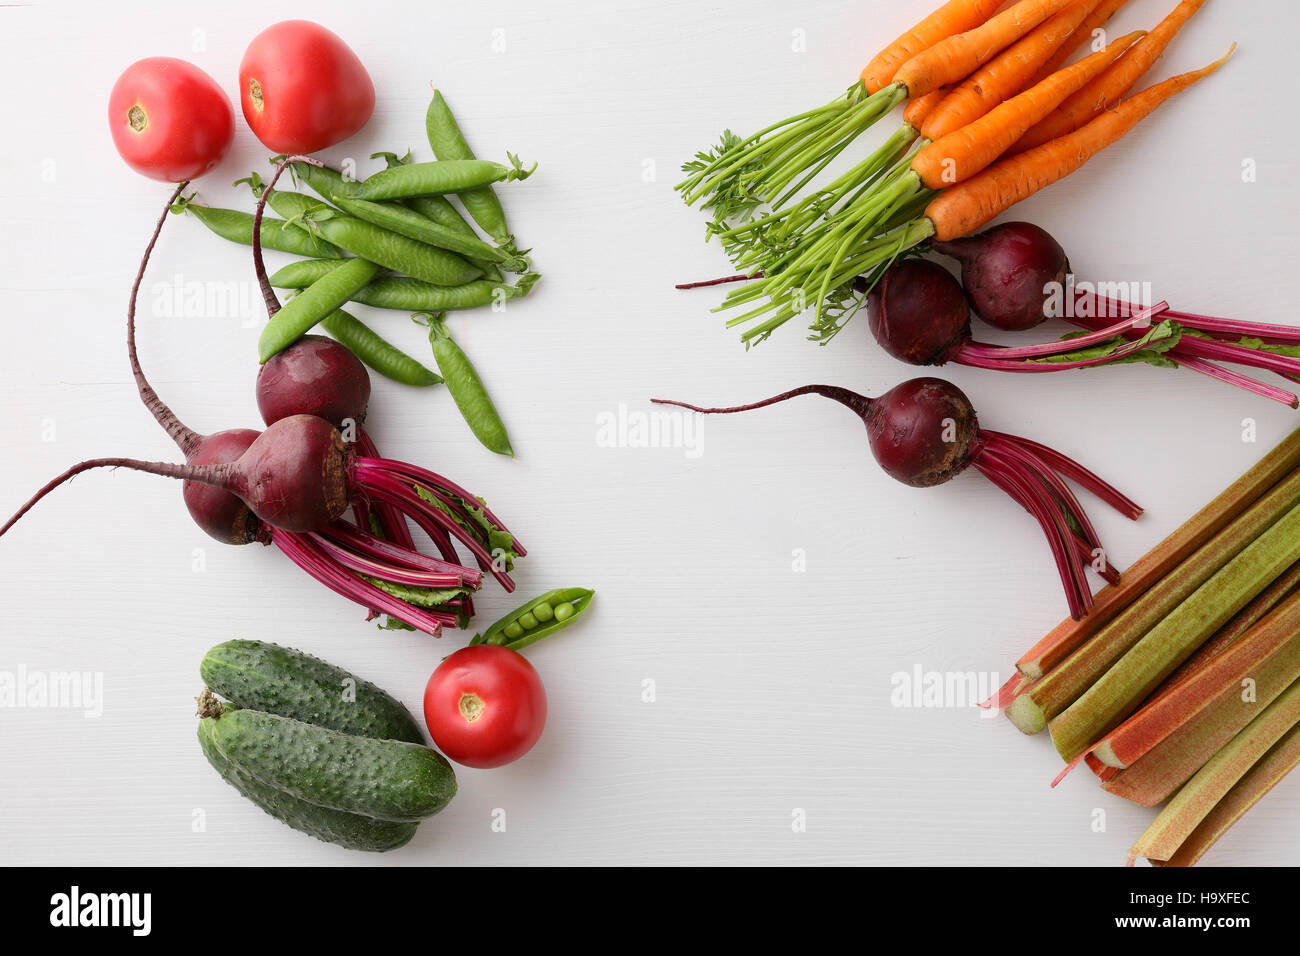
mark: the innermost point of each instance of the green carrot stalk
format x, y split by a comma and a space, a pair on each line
1118, 692
1050, 697
1164, 557
1199, 796
1249, 790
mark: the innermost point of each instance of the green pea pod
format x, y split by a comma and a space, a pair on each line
411, 295
386, 359
448, 142
437, 178
314, 304
364, 239
300, 274
325, 182
441, 211
539, 618
237, 226
405, 294
467, 389
409, 223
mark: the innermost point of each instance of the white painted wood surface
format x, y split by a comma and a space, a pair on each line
771, 687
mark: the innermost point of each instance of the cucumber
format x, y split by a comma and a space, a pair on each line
349, 830
254, 675
384, 779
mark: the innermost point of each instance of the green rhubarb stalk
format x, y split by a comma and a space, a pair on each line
1164, 768
1119, 691
1049, 652
1224, 676
1257, 781
1053, 694
1199, 796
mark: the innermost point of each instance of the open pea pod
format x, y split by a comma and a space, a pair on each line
539, 618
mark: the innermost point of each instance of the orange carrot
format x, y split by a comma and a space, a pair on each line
952, 18
1108, 88
1006, 74
968, 151
1103, 12
961, 209
917, 110
958, 56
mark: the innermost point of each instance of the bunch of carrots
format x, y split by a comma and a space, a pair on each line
992, 116
1183, 682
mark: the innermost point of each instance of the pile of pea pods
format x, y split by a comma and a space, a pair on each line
394, 240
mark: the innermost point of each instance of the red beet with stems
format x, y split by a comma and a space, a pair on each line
919, 314
925, 432
1014, 271
290, 484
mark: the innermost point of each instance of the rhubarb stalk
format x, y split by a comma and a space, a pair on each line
1249, 790
1163, 558
1198, 797
1125, 685
1051, 695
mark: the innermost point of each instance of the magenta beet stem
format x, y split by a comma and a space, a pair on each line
404, 470
385, 572
1032, 474
388, 488
363, 543
1076, 473
1034, 500
303, 552
1280, 334
1047, 349
390, 520
1238, 380
980, 359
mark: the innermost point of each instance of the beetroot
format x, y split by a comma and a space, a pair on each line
925, 432
290, 484
219, 513
314, 376
1009, 273
918, 314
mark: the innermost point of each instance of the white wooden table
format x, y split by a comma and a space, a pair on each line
729, 699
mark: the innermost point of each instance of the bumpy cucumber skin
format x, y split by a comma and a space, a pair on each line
255, 675
384, 779
349, 830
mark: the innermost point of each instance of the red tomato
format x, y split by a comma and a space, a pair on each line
485, 706
169, 119
302, 88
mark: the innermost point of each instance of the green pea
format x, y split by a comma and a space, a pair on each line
437, 178
565, 604
389, 249
528, 621
325, 182
405, 294
237, 226
449, 142
313, 304
440, 210
467, 389
300, 274
407, 222
412, 295
386, 359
